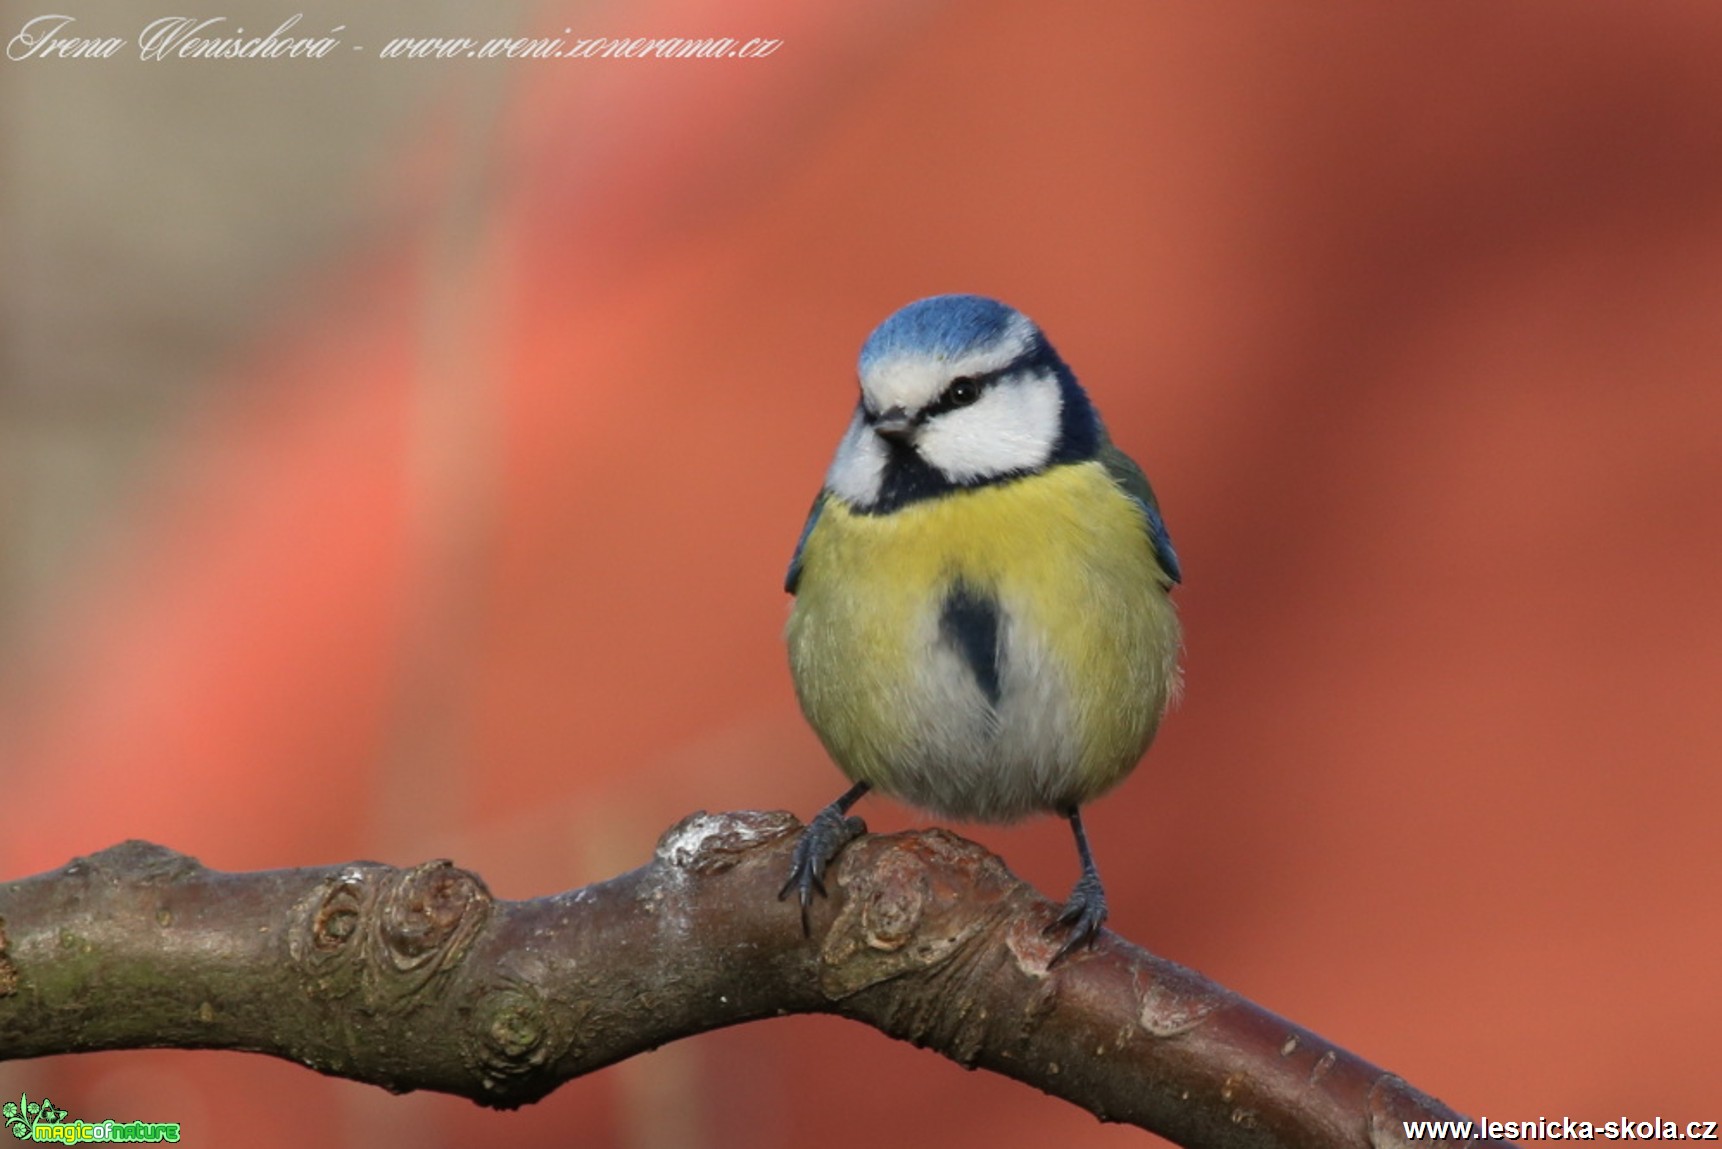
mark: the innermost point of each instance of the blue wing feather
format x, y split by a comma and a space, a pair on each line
1134, 483
793, 578
1162, 541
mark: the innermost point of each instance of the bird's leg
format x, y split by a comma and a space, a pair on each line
830, 830
1085, 912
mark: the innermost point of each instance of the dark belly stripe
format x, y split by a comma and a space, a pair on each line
969, 621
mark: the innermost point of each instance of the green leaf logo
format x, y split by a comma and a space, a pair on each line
24, 1115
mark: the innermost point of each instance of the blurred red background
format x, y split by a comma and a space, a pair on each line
475, 547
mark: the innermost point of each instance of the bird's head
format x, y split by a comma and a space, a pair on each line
958, 391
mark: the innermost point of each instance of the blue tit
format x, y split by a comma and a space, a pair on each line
982, 623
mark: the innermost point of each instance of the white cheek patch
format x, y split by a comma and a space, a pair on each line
1013, 426
858, 471
911, 380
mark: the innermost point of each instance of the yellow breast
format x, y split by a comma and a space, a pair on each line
1088, 644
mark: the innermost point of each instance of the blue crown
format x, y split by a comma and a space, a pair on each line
940, 327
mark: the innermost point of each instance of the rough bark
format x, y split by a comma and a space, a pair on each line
420, 979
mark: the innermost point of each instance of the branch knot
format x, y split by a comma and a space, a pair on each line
388, 932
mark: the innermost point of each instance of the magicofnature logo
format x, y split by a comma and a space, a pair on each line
44, 1121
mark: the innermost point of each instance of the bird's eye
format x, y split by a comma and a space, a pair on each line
963, 391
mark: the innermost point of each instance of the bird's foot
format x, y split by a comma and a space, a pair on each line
1083, 916
822, 840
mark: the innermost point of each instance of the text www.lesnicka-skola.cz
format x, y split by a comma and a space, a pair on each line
1563, 1129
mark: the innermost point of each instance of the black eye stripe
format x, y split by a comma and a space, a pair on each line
961, 392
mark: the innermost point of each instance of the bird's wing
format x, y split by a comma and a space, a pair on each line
793, 578
1129, 476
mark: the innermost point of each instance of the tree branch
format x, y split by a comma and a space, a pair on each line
420, 979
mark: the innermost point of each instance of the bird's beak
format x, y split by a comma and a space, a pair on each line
895, 425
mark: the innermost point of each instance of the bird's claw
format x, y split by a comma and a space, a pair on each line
1082, 917
822, 840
